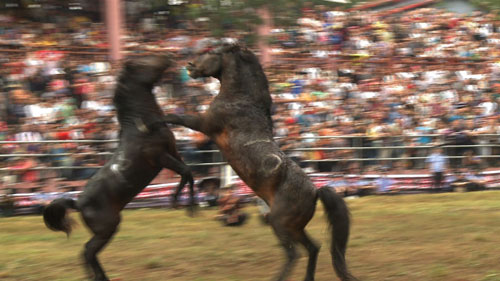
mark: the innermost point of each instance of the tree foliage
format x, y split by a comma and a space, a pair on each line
492, 5
243, 15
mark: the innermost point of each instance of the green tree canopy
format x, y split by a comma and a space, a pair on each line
242, 14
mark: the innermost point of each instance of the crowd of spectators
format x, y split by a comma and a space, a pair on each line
427, 72
380, 82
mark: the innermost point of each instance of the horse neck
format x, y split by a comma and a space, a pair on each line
241, 83
248, 87
131, 107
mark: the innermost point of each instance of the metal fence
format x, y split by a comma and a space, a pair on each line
356, 148
159, 194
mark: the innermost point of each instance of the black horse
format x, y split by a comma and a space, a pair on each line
146, 147
239, 121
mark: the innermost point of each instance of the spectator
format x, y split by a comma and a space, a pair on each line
471, 162
6, 204
230, 213
468, 181
22, 168
384, 183
339, 184
437, 165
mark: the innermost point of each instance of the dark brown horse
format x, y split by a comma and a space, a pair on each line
239, 121
146, 147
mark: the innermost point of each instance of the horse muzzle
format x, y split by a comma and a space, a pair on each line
192, 71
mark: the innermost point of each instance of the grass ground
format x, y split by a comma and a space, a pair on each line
410, 237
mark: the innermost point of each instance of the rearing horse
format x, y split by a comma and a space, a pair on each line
239, 121
146, 147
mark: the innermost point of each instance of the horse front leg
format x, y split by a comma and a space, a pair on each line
192, 122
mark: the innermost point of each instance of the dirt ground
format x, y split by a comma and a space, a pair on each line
404, 237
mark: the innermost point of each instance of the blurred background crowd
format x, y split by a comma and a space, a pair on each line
423, 77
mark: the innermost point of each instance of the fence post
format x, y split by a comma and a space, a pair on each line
227, 175
114, 21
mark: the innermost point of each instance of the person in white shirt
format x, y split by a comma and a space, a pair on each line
489, 106
27, 134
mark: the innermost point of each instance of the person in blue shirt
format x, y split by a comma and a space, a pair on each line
476, 181
384, 183
297, 87
338, 184
425, 131
437, 165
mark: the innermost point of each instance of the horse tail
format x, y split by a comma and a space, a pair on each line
338, 216
55, 215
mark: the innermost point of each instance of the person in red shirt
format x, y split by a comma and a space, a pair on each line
3, 130
22, 167
63, 134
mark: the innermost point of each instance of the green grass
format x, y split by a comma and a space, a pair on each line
412, 237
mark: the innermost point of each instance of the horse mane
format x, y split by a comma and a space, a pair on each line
122, 91
249, 71
120, 99
133, 100
127, 91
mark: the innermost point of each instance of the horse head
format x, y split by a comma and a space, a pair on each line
134, 99
145, 70
211, 63
239, 72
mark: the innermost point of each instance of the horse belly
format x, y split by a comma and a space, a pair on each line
127, 183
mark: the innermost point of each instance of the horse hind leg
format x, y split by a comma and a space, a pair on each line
93, 246
287, 242
313, 250
289, 228
104, 226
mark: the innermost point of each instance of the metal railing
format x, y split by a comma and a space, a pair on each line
302, 149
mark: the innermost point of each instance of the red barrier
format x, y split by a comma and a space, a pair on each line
402, 182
